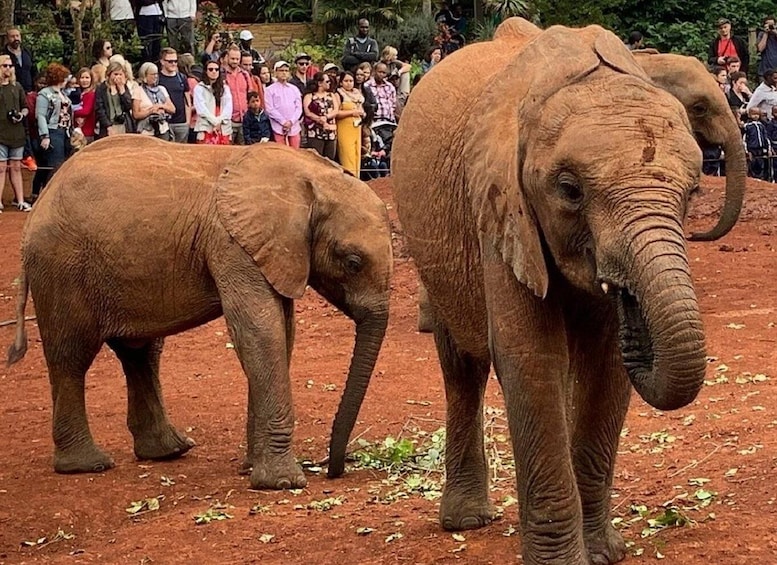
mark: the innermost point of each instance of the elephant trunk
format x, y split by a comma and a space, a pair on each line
736, 173
661, 335
370, 331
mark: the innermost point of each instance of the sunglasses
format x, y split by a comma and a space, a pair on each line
213, 69
303, 63
6, 66
172, 61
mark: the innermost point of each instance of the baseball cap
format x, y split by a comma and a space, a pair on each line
300, 56
279, 64
330, 66
246, 35
722, 21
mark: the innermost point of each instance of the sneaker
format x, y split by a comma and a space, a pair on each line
29, 163
24, 207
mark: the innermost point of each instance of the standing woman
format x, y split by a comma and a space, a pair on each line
321, 107
151, 104
113, 103
390, 56
349, 124
102, 51
13, 104
265, 77
361, 76
185, 66
213, 102
85, 115
53, 113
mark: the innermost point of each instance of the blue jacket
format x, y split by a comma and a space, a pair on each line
755, 138
256, 127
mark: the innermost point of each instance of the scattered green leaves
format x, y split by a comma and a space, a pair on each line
138, 507
217, 511
46, 540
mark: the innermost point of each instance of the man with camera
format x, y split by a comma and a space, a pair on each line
727, 45
766, 43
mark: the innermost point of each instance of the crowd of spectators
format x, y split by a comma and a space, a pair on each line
227, 93
753, 108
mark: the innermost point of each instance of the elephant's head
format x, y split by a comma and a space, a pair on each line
316, 225
588, 176
713, 123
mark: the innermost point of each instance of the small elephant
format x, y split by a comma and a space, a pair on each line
546, 222
136, 239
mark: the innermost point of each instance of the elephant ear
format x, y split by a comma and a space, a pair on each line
268, 215
503, 119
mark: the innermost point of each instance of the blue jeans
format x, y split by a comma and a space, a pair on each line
49, 160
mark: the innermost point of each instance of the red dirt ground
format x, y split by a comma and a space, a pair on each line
727, 436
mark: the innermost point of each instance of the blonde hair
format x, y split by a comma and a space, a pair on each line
7, 59
389, 53
81, 72
124, 63
98, 74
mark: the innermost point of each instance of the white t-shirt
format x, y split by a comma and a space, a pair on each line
120, 10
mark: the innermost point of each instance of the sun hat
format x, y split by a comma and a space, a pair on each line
279, 64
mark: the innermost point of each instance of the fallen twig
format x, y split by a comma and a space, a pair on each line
695, 463
12, 322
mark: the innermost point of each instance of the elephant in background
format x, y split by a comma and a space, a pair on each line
137, 239
546, 222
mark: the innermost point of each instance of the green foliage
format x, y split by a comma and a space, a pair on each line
507, 8
286, 11
484, 31
40, 34
412, 36
331, 51
210, 19
345, 13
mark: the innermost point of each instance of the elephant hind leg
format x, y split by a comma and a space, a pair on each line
465, 503
154, 435
69, 353
425, 314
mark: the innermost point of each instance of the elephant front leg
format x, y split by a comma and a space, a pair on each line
601, 397
257, 325
154, 436
465, 503
528, 347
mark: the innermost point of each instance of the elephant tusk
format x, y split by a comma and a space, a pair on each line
605, 287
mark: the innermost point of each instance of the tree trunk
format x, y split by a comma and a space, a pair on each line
426, 8
6, 17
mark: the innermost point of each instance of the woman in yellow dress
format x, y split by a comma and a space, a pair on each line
349, 124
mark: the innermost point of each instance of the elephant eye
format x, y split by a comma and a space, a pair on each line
569, 188
353, 263
699, 109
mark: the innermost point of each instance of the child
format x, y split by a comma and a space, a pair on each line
757, 145
374, 162
256, 124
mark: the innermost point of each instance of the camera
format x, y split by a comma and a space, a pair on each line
156, 118
13, 116
770, 27
119, 119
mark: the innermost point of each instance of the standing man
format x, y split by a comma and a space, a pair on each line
22, 59
726, 45
301, 66
283, 105
178, 88
150, 19
239, 83
122, 19
246, 37
765, 96
179, 20
767, 46
361, 48
384, 92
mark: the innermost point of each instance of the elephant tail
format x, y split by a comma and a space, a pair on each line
18, 349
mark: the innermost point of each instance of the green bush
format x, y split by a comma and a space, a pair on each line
412, 37
331, 51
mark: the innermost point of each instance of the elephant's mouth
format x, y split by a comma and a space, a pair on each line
635, 342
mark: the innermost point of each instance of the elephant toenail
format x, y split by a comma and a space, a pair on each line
99, 468
284, 483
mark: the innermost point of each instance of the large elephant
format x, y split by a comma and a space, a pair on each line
136, 239
543, 204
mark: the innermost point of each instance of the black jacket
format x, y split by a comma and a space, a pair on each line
739, 46
25, 72
101, 109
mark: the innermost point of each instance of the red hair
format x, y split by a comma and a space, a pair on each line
56, 74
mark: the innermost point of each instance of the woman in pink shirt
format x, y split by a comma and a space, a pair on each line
84, 113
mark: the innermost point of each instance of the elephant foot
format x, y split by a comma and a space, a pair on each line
459, 513
87, 460
279, 472
605, 547
168, 445
245, 468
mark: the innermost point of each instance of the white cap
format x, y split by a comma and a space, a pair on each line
280, 64
246, 35
330, 66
